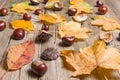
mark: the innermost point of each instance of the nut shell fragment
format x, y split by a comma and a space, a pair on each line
80, 17
44, 35
50, 54
107, 37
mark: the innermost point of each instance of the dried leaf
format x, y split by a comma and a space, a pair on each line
107, 24
73, 2
85, 61
50, 4
20, 54
73, 29
22, 7
82, 7
51, 18
26, 25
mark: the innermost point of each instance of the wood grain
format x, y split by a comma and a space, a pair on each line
56, 68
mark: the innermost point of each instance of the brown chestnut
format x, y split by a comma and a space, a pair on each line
72, 11
39, 68
35, 2
58, 6
26, 16
2, 25
38, 11
3, 11
68, 40
99, 3
45, 1
102, 10
18, 34
45, 27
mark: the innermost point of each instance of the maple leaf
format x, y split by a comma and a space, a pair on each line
20, 54
26, 25
89, 58
82, 7
73, 29
107, 24
22, 7
51, 18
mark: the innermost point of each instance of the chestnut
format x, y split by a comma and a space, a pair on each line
99, 3
2, 25
38, 11
58, 6
72, 11
3, 11
35, 2
68, 40
26, 16
45, 27
45, 1
102, 10
39, 68
18, 34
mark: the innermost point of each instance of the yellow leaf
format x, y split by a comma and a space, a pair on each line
51, 18
82, 7
73, 29
72, 2
22, 7
107, 24
85, 61
26, 25
50, 4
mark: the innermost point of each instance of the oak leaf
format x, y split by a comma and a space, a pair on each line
20, 54
72, 28
89, 58
107, 24
22, 7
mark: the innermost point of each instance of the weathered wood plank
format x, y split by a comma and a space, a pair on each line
56, 69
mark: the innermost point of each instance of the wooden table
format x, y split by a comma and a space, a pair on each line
56, 69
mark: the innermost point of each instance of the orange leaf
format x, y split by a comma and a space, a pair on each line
85, 61
20, 54
26, 25
107, 24
72, 28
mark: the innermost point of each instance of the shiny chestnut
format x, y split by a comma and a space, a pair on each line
99, 3
45, 27
26, 16
102, 10
18, 34
72, 11
38, 11
2, 25
45, 1
3, 11
39, 68
35, 2
68, 40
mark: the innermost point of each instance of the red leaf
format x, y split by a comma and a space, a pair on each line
20, 54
